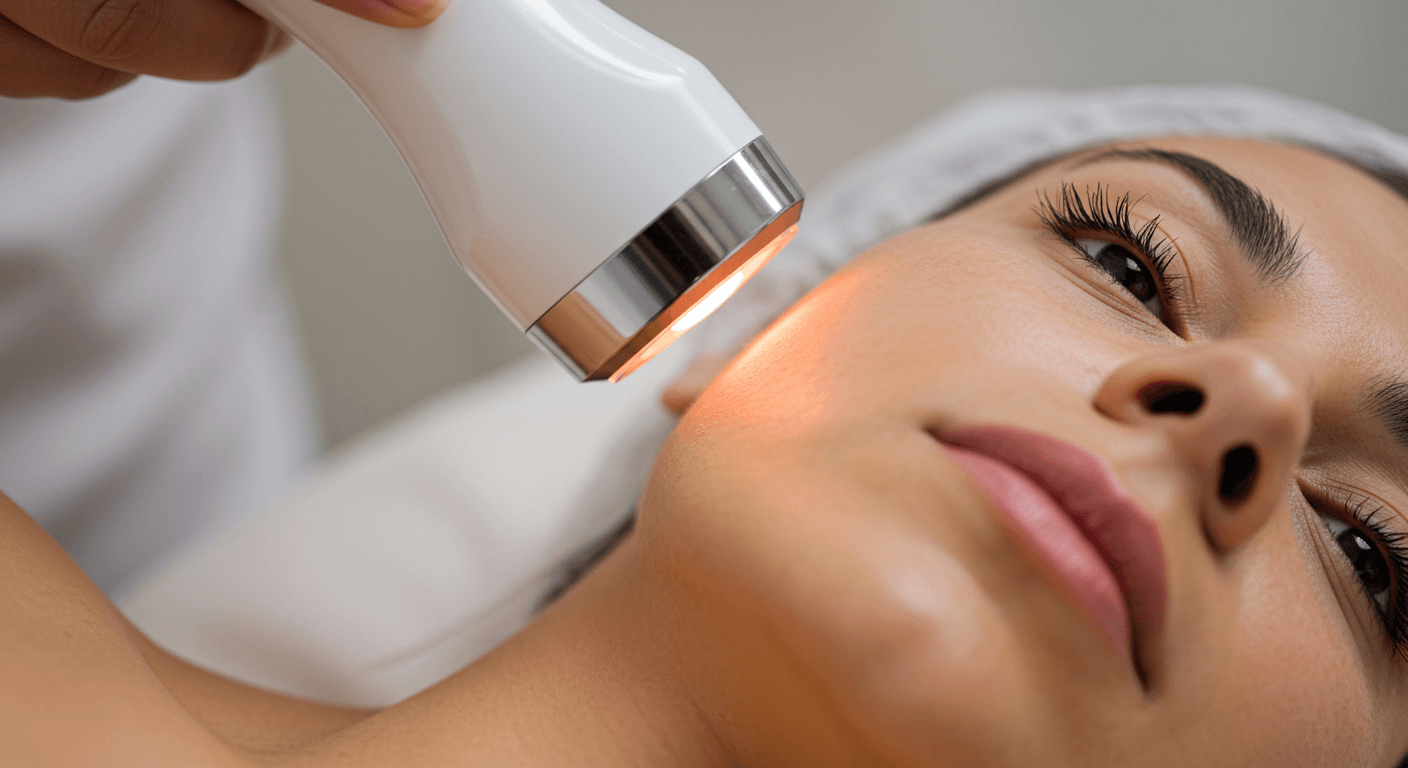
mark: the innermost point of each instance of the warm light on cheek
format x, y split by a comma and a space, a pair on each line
706, 305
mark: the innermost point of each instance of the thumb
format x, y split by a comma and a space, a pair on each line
393, 13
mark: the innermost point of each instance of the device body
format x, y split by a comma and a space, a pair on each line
595, 181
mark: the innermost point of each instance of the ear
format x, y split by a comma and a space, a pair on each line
691, 383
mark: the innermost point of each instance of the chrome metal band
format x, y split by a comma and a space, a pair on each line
607, 318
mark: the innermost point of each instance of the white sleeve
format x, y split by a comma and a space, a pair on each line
151, 393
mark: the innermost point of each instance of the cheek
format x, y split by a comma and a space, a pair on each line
1291, 673
945, 301
851, 569
931, 308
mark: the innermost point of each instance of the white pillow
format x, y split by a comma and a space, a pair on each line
420, 547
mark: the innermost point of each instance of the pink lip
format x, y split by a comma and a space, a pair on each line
1073, 510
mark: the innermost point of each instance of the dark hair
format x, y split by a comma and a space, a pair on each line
997, 185
1394, 180
571, 570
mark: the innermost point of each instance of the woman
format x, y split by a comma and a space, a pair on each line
1101, 468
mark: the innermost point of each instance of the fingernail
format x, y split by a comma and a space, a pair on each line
419, 9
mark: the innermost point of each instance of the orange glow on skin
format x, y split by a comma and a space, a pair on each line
706, 305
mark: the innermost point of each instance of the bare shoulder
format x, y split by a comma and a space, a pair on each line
79, 685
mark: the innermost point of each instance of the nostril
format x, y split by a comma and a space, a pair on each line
1169, 397
1238, 473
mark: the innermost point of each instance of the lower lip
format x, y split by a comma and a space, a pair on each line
1046, 527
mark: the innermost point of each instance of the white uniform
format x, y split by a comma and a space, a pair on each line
151, 392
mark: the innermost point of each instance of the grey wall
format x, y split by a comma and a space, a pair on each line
388, 319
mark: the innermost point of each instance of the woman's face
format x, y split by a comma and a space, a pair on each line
877, 594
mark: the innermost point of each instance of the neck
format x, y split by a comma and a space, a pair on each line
600, 679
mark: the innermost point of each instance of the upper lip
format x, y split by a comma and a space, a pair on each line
1093, 497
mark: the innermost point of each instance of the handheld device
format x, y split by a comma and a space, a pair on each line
598, 183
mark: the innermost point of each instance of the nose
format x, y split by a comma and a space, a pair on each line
1237, 414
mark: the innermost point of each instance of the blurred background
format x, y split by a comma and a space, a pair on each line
388, 318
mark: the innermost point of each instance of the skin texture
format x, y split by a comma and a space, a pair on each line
77, 49
806, 481
812, 581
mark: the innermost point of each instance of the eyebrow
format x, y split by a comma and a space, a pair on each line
1274, 251
1388, 399
1261, 231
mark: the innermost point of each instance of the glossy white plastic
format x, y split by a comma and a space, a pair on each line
545, 134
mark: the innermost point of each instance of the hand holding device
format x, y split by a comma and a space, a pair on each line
599, 184
82, 48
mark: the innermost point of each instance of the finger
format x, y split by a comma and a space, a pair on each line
393, 13
182, 39
31, 67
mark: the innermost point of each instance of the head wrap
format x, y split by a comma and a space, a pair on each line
989, 137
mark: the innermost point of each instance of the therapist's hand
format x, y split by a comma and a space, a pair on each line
81, 48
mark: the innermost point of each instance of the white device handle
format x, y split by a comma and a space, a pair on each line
545, 134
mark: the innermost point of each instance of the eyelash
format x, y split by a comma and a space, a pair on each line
1093, 211
1366, 516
